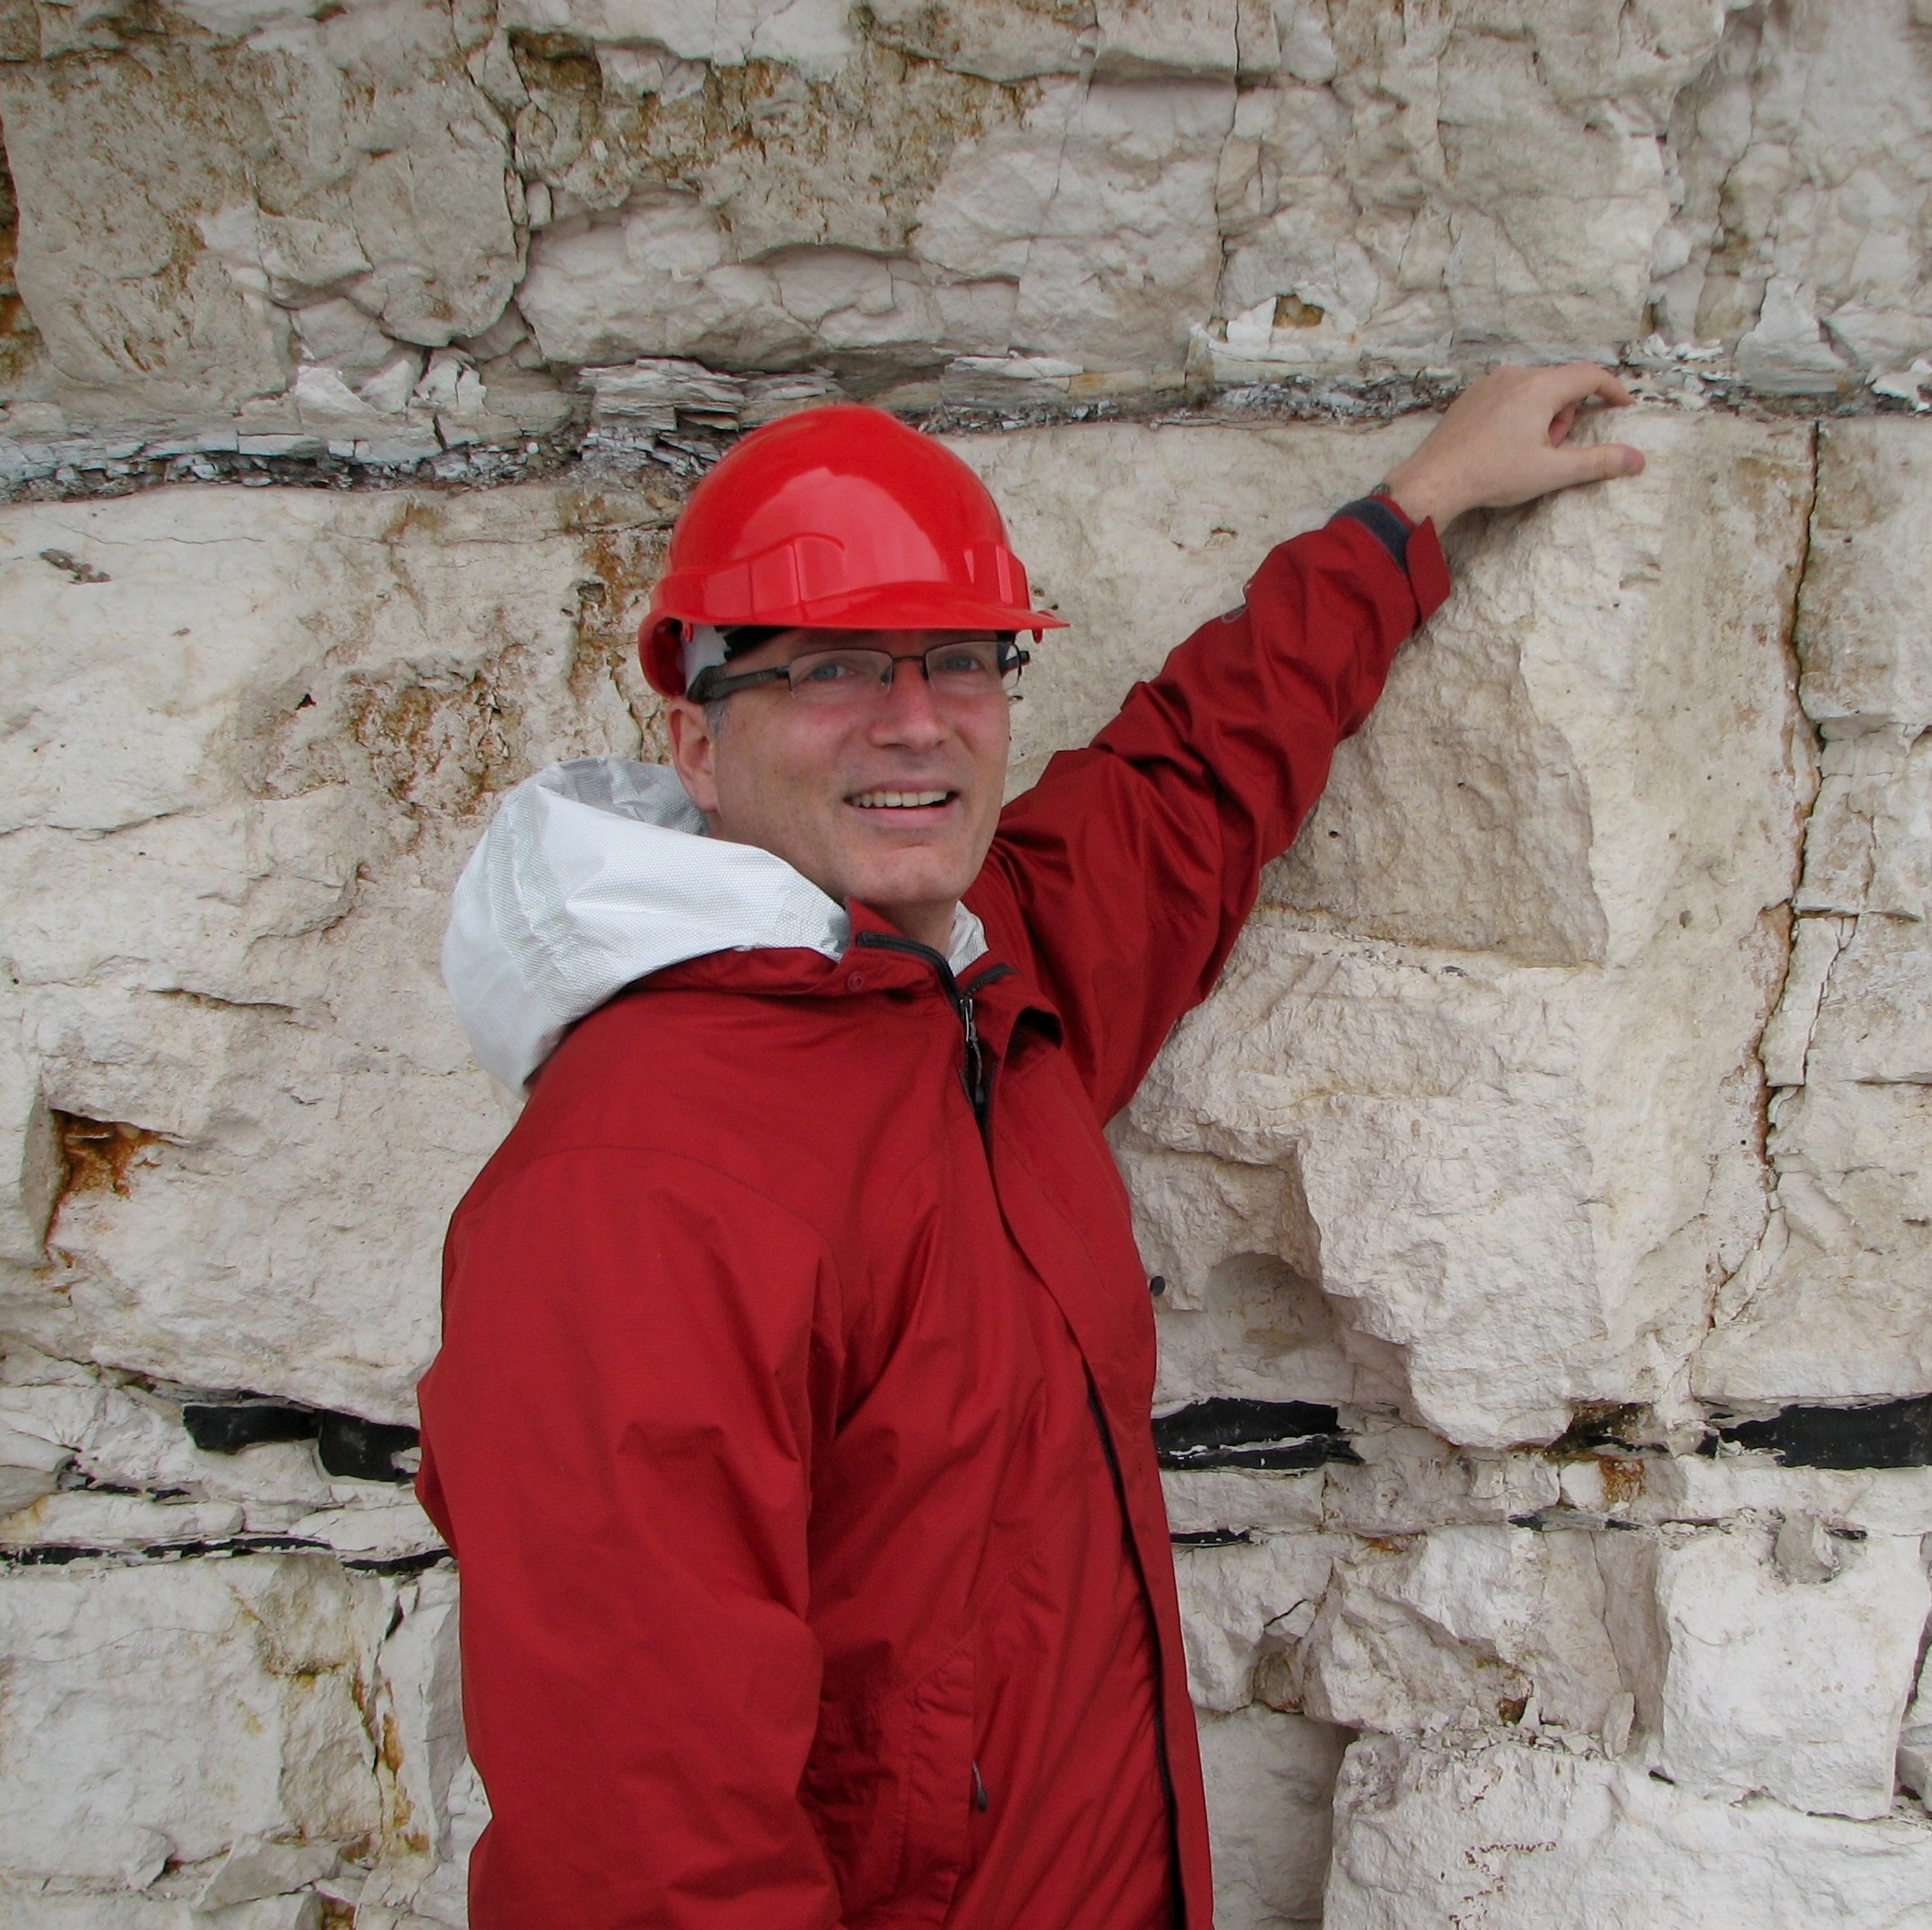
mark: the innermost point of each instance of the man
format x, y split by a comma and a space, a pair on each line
791, 1422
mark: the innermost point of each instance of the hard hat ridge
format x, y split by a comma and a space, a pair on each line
840, 517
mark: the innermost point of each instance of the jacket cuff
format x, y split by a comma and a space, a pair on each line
1413, 548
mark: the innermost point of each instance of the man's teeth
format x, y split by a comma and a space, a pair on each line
898, 801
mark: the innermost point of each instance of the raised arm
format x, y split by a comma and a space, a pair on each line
617, 1443
1126, 873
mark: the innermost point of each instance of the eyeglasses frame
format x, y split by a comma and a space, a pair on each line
708, 686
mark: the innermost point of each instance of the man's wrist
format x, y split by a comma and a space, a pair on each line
1418, 500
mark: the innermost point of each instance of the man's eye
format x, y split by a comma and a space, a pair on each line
826, 670
964, 662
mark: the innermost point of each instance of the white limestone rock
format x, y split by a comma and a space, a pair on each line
1743, 1660
1270, 1782
1915, 1742
262, 883
660, 279
727, 34
175, 207
103, 1777
126, 287
1080, 220
1549, 819
1414, 187
1214, 1501
1786, 353
338, 333
107, 1521
414, 1893
436, 1803
418, 1663
1000, 39
32, 1910
1518, 1838
255, 1868
371, 423
31, 1165
1510, 986
250, 1723
1802, 182
30, 1468
1187, 37
1464, 1628
257, 752
1835, 1304
1409, 1481
752, 254
971, 177
1716, 1488
1099, 206
1782, 1680
1253, 1322
383, 1528
1244, 1603
55, 1414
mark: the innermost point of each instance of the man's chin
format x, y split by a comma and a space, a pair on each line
892, 891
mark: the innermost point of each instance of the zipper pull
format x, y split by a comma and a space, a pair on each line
976, 1057
979, 1791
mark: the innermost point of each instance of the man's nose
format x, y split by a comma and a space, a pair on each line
905, 713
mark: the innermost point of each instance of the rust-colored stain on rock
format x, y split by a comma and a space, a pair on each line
102, 1154
1623, 1481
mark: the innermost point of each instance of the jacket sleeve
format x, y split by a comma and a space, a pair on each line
617, 1445
1132, 864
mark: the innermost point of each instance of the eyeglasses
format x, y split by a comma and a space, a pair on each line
972, 671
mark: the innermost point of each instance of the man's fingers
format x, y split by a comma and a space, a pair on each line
1573, 381
1502, 441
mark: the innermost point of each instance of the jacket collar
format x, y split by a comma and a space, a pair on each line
879, 958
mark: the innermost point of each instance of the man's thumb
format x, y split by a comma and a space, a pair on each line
1604, 461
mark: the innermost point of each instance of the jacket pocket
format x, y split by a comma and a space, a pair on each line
891, 1787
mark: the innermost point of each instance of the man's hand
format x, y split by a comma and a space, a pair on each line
1501, 443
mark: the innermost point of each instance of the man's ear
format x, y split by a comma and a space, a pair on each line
693, 752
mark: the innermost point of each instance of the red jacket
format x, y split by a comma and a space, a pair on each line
791, 1422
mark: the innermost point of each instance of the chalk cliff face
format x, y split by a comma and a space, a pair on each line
1540, 1204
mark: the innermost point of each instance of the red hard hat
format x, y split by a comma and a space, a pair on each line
839, 517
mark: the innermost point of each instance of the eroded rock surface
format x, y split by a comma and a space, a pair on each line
1583, 786
376, 234
253, 734
1833, 1304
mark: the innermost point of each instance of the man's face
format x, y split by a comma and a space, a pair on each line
892, 801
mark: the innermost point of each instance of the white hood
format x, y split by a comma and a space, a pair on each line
594, 874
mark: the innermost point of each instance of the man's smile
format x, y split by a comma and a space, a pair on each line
900, 799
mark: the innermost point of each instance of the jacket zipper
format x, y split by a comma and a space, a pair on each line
976, 1073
